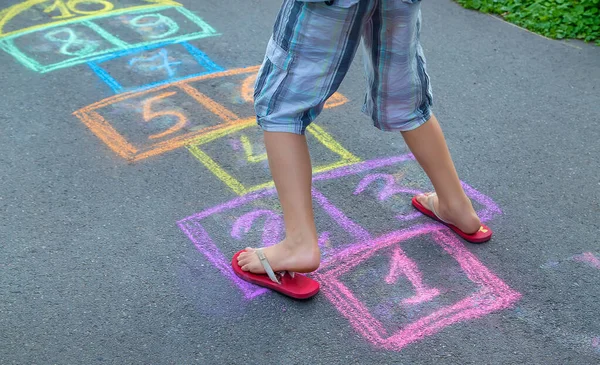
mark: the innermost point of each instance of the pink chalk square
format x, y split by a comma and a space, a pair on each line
427, 304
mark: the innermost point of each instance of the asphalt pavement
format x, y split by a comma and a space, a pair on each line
131, 170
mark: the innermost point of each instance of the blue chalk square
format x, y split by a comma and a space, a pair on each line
146, 67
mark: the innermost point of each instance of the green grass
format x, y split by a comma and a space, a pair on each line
558, 19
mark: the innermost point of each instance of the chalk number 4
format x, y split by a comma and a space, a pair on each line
67, 8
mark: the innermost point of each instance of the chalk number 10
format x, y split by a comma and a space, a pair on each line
67, 8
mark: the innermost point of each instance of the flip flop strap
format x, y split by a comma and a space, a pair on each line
432, 206
266, 265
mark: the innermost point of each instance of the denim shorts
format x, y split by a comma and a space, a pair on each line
310, 52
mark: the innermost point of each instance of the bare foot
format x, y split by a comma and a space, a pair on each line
295, 257
459, 213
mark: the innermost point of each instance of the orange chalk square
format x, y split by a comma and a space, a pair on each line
137, 125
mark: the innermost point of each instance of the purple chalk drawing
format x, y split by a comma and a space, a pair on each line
390, 188
354, 235
339, 217
492, 295
194, 228
342, 257
360, 167
489, 211
402, 265
324, 239
596, 343
204, 244
407, 217
271, 231
589, 259
236, 144
388, 185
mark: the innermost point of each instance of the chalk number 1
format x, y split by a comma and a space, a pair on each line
69, 7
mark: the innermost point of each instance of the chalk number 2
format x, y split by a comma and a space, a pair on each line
69, 7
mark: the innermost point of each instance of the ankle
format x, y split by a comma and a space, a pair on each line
301, 251
301, 240
455, 205
308, 247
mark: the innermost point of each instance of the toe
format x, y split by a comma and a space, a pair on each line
244, 256
244, 261
423, 199
240, 257
247, 252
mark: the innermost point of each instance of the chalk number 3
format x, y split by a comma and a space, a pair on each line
67, 8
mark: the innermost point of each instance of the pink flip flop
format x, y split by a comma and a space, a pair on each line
293, 285
482, 235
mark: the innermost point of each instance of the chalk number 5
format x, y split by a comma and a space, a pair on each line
149, 115
69, 7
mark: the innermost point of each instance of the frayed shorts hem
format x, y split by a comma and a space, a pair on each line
403, 127
266, 127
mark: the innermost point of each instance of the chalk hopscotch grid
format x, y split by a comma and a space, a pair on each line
7, 43
18, 8
493, 294
230, 123
201, 58
192, 226
345, 157
105, 132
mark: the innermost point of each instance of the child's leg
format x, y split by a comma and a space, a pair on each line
399, 99
289, 161
307, 58
428, 145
